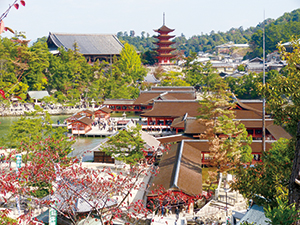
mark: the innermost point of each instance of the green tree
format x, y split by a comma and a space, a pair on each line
283, 93
283, 213
33, 129
173, 78
127, 145
262, 181
129, 65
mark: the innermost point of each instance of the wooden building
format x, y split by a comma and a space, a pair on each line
165, 111
81, 126
179, 172
87, 113
146, 99
102, 113
94, 47
121, 105
72, 119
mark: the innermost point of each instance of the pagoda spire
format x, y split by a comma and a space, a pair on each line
164, 19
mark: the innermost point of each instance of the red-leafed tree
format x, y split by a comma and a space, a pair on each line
16, 4
76, 192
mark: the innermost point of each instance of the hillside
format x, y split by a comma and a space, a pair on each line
277, 30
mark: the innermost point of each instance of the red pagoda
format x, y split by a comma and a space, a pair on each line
164, 50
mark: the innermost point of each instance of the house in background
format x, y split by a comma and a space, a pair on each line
102, 47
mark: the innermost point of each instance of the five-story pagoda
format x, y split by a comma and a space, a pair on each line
164, 50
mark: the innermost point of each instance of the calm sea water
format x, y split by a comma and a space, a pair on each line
81, 145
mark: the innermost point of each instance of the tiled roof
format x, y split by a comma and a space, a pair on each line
88, 44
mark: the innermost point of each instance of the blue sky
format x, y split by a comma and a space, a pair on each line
190, 17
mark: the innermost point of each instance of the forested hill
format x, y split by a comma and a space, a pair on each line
281, 29
277, 30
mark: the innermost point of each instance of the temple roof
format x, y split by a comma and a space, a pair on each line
163, 29
180, 170
173, 108
88, 44
193, 126
278, 132
255, 104
146, 97
172, 88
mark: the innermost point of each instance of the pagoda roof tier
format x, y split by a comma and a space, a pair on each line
164, 36
165, 55
164, 29
164, 49
164, 42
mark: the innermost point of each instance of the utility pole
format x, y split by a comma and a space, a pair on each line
264, 91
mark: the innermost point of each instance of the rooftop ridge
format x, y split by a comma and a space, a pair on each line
171, 101
169, 91
85, 34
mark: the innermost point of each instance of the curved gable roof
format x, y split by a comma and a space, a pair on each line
88, 44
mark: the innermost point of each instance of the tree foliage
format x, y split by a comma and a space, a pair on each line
127, 145
228, 141
283, 93
262, 181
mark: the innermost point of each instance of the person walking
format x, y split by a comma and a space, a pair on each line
177, 211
